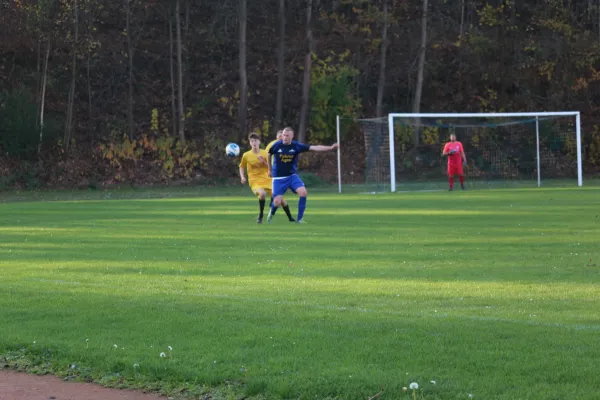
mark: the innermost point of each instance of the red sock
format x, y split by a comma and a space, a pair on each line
451, 181
462, 180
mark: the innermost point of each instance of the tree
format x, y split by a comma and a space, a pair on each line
172, 75
280, 67
130, 68
43, 94
180, 73
69, 121
420, 71
43, 14
462, 19
384, 39
307, 65
243, 105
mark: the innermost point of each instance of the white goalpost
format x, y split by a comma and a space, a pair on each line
339, 154
508, 146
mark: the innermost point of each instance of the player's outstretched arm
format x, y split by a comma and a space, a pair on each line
323, 148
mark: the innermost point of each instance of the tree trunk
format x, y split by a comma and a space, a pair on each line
420, 72
462, 19
43, 95
172, 73
187, 16
280, 67
186, 37
130, 74
89, 85
357, 64
180, 73
381, 84
307, 67
38, 80
243, 107
69, 121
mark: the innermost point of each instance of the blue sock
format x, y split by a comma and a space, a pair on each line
301, 208
272, 207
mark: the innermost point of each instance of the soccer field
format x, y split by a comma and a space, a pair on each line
490, 294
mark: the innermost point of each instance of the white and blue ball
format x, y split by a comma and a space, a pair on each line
232, 150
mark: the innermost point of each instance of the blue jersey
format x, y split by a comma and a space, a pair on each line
286, 158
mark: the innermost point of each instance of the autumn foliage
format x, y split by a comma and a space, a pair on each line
89, 90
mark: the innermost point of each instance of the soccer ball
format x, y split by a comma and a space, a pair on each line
232, 150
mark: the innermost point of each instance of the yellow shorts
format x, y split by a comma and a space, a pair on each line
257, 188
262, 182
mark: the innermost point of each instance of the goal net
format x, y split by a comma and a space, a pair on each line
404, 151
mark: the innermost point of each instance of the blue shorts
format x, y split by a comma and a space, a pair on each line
281, 185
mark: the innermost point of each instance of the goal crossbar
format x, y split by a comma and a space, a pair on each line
535, 115
485, 115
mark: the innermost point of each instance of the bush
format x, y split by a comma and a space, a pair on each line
19, 135
312, 180
331, 94
25, 175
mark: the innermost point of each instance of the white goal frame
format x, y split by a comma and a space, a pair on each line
535, 115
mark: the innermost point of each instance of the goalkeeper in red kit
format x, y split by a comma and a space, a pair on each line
456, 159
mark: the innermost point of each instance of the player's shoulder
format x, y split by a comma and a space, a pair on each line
247, 153
298, 144
263, 152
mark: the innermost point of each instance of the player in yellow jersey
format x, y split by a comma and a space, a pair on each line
279, 136
255, 160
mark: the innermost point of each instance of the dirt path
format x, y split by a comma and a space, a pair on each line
21, 386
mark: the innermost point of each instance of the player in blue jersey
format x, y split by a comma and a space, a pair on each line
284, 169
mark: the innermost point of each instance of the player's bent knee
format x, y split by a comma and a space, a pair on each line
302, 192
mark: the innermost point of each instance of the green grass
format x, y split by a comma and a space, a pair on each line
492, 293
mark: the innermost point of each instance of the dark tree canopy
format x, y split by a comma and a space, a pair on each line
114, 76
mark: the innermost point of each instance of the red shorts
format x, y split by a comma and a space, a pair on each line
455, 169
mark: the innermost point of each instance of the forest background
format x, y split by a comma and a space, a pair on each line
97, 92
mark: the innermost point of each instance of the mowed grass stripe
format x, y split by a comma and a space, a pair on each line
489, 293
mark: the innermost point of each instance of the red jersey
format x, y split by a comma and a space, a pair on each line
456, 158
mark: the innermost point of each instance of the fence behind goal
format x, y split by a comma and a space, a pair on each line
503, 150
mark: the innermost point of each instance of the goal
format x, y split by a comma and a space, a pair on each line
403, 151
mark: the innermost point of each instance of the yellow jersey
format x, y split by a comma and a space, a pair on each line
267, 150
258, 172
270, 145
